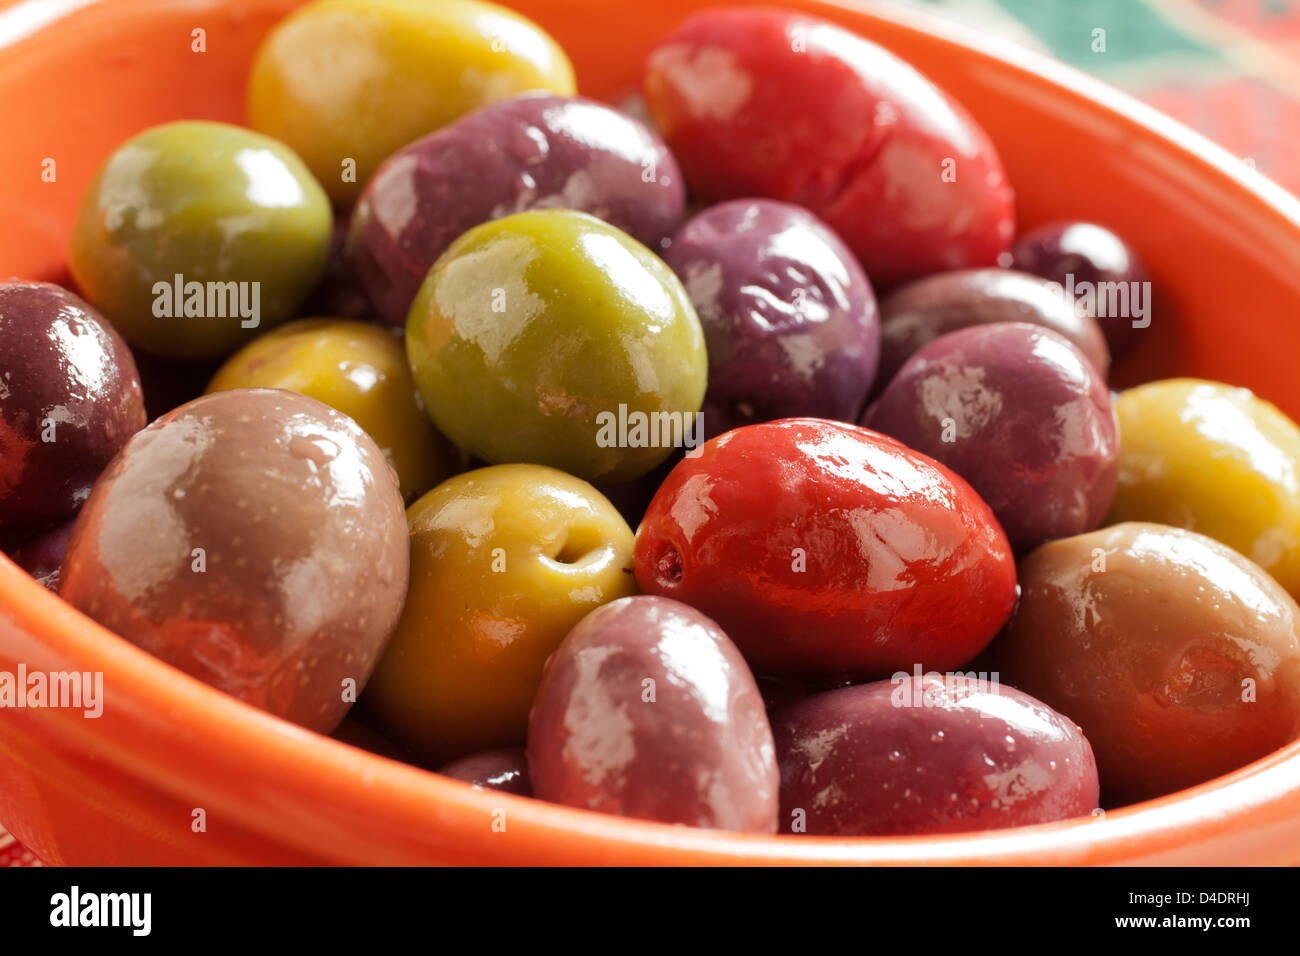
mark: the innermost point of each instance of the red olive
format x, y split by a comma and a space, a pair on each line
828, 552
758, 102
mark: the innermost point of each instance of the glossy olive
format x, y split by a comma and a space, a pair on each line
1021, 414
647, 710
763, 102
1214, 459
41, 555
789, 316
828, 552
1177, 656
70, 397
504, 561
505, 770
253, 539
194, 237
552, 337
348, 82
1099, 268
929, 753
358, 369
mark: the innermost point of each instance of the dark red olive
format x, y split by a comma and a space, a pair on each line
41, 556
789, 317
929, 754
1099, 268
647, 710
70, 397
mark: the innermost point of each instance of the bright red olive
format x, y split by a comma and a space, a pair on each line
757, 102
829, 552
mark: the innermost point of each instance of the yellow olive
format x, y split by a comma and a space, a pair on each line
347, 82
1214, 459
360, 370
504, 562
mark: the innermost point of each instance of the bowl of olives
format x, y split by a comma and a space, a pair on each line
470, 433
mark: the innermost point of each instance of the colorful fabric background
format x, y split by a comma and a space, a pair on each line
1229, 69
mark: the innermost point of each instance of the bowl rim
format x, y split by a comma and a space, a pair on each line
428, 816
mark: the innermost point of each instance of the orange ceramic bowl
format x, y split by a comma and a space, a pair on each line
78, 77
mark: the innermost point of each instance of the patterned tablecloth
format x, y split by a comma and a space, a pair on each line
1228, 68
13, 853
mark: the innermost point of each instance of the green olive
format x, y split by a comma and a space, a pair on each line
552, 337
193, 237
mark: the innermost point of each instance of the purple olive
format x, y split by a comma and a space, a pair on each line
918, 313
1022, 415
647, 710
70, 397
789, 317
1103, 272
505, 770
532, 152
929, 754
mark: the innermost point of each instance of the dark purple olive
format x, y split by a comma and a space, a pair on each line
41, 556
918, 313
505, 770
1022, 415
70, 397
929, 754
532, 152
789, 317
647, 710
1099, 268
255, 539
